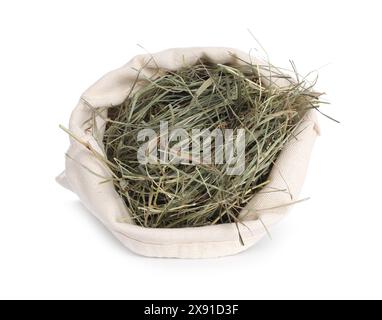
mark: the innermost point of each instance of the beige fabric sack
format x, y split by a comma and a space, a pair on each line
202, 242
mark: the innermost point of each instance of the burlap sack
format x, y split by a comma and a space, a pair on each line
203, 242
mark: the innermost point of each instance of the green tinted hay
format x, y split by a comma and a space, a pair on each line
204, 96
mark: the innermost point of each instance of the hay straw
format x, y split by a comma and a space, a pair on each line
204, 96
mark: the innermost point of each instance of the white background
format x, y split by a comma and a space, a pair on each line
51, 247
